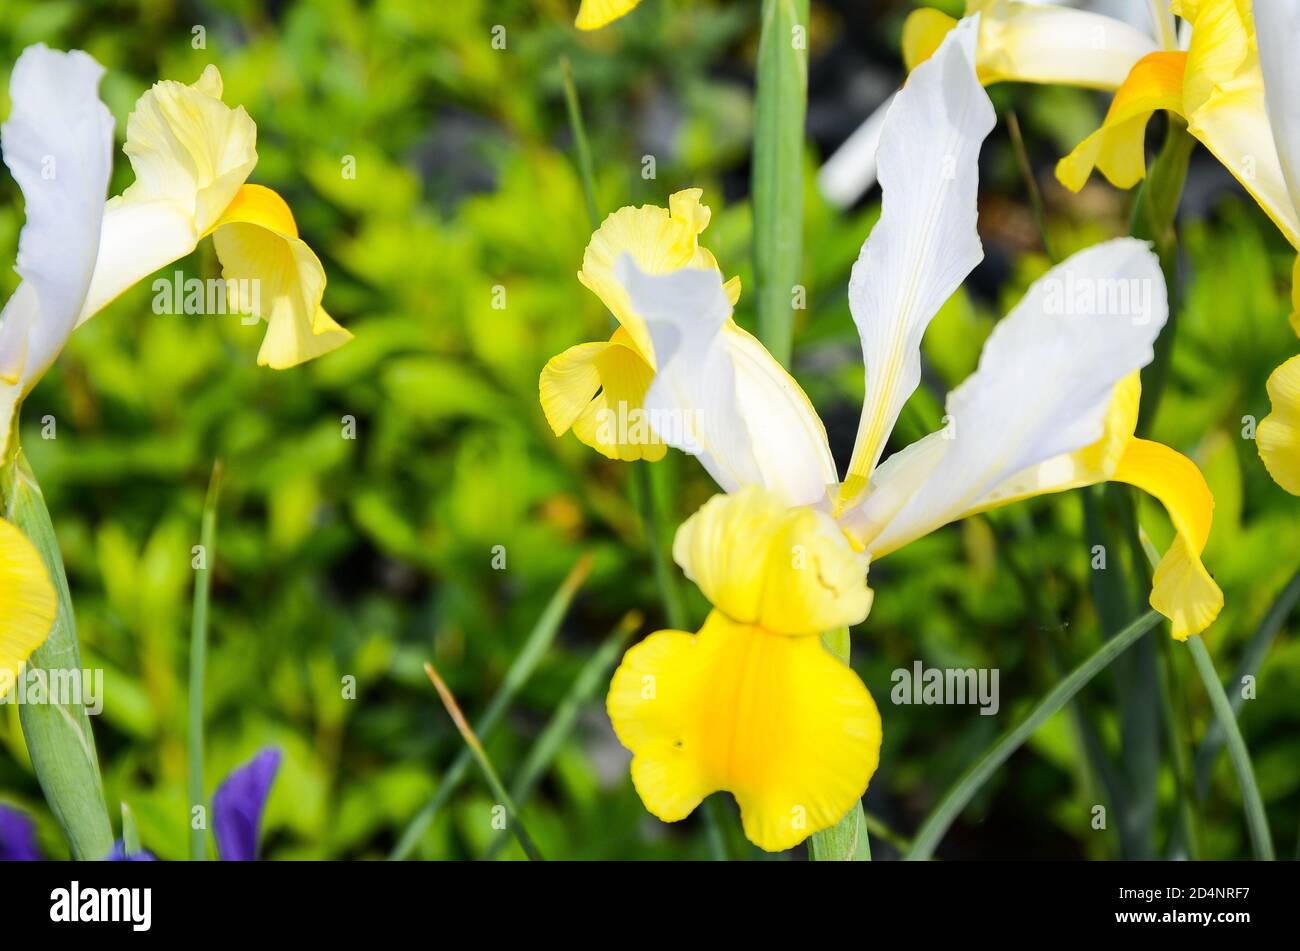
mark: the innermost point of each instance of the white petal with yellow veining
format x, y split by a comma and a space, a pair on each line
925, 242
1042, 390
720, 396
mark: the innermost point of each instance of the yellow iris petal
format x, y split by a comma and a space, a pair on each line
923, 32
777, 721
257, 241
27, 603
660, 240
1182, 590
593, 14
791, 571
1278, 438
187, 146
598, 390
1117, 148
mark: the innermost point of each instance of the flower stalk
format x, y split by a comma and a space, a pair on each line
777, 183
59, 738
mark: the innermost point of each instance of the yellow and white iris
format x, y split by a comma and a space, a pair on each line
1052, 406
1233, 86
192, 155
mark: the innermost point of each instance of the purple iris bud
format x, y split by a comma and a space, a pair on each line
238, 803
17, 837
119, 854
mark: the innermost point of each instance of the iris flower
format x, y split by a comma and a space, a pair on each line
1233, 87
593, 14
237, 808
1019, 41
1052, 406
192, 155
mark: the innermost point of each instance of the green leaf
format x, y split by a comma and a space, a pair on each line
777, 182
59, 738
934, 827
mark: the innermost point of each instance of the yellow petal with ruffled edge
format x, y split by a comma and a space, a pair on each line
1118, 147
791, 571
27, 603
257, 242
1182, 590
1278, 437
598, 390
593, 14
777, 721
660, 240
191, 154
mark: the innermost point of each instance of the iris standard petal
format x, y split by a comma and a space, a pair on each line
777, 721
57, 143
925, 242
1044, 389
238, 803
191, 154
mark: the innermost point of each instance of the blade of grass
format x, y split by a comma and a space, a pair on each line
957, 798
1251, 659
1031, 184
847, 840
1261, 840
130, 834
594, 673
199, 658
484, 763
59, 738
535, 647
580, 145
781, 102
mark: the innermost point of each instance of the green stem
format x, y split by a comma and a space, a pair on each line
199, 659
1031, 184
1251, 658
579, 129
934, 827
1256, 819
59, 738
847, 840
1154, 220
781, 103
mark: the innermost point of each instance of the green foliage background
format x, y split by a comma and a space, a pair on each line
365, 557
